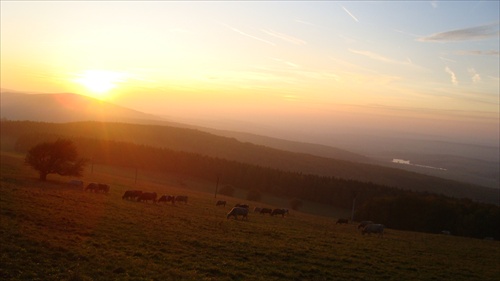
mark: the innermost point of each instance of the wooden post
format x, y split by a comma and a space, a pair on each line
353, 208
216, 186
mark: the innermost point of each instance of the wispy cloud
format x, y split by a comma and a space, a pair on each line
248, 35
474, 75
379, 57
447, 59
306, 22
285, 37
350, 14
471, 33
453, 77
434, 4
478, 53
289, 63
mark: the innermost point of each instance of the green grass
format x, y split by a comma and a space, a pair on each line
50, 231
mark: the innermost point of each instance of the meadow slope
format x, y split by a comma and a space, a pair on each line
51, 231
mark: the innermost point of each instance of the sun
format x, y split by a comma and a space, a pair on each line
99, 82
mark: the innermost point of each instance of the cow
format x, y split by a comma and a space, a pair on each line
92, 187
342, 221
374, 228
238, 211
146, 196
266, 211
181, 198
167, 198
242, 206
221, 203
257, 209
131, 194
76, 183
363, 224
101, 187
281, 212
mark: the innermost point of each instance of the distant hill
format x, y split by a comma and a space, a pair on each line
457, 159
66, 108
62, 108
202, 143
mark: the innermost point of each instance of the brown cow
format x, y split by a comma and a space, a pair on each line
146, 196
131, 194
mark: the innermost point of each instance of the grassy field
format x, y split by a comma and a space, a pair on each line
51, 231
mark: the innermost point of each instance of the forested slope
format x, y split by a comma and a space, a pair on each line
202, 144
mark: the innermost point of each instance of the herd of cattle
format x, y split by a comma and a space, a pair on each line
366, 227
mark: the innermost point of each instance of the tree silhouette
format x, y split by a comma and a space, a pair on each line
59, 157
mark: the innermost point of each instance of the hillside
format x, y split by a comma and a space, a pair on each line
66, 108
51, 231
474, 164
188, 140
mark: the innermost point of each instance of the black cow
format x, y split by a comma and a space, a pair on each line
181, 198
281, 212
238, 211
242, 206
101, 187
146, 196
266, 211
221, 203
93, 186
131, 194
167, 198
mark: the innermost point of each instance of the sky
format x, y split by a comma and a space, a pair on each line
304, 70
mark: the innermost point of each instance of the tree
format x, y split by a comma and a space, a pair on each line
59, 157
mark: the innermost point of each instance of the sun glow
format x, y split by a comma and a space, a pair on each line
99, 82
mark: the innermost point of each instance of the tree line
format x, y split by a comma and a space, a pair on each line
397, 208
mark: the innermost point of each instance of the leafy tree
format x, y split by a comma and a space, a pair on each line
59, 157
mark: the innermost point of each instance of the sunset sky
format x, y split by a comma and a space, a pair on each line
300, 68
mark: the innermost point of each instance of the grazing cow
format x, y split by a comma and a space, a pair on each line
238, 211
257, 209
242, 206
363, 224
342, 221
92, 187
281, 212
131, 194
76, 183
221, 203
146, 196
446, 232
167, 198
101, 187
266, 211
374, 228
181, 198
